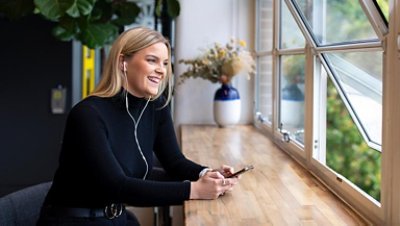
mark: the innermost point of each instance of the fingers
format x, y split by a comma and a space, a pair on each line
227, 169
213, 184
224, 182
227, 184
215, 175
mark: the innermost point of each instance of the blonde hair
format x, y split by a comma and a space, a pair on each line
128, 43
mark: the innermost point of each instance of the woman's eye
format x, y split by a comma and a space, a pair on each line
151, 60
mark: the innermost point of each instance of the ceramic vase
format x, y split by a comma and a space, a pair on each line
227, 106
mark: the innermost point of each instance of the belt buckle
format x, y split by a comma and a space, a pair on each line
113, 211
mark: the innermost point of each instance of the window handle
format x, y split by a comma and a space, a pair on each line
260, 117
285, 136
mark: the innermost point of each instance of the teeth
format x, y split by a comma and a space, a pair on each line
154, 79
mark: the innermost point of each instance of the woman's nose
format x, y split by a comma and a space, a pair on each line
161, 69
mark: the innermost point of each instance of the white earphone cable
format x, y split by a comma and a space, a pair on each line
136, 124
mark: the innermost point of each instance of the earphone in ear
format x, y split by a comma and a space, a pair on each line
124, 66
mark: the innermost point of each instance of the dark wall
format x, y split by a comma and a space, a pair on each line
32, 62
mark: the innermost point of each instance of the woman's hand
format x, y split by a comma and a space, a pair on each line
212, 185
225, 170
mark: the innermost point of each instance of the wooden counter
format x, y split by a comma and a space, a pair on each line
277, 192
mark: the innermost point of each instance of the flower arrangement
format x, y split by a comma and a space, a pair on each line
221, 63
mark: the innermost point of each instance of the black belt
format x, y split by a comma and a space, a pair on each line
110, 212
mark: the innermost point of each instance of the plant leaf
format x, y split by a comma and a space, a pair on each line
81, 8
126, 12
158, 8
51, 9
16, 9
174, 8
102, 11
66, 29
62, 33
98, 35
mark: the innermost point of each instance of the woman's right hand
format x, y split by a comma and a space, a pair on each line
211, 186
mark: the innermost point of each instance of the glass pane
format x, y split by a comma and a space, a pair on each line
265, 29
291, 36
292, 96
265, 88
360, 76
346, 151
384, 6
336, 21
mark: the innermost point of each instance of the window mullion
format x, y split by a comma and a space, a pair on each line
377, 22
320, 90
309, 118
275, 70
391, 127
370, 46
291, 51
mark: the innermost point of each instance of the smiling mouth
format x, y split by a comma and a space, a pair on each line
154, 79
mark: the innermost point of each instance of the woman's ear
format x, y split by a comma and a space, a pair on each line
122, 63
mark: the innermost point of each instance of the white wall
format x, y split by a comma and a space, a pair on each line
200, 24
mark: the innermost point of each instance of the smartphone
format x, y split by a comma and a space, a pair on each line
245, 169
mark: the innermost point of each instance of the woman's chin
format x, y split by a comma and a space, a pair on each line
153, 92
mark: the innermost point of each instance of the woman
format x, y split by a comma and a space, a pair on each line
106, 158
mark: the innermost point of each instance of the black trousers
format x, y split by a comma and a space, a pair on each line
126, 219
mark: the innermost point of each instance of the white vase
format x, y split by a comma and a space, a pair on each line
292, 106
227, 106
292, 113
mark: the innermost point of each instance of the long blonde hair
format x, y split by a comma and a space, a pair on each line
128, 43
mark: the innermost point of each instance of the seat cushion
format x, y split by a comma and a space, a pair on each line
23, 207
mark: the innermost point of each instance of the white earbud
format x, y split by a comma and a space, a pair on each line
124, 66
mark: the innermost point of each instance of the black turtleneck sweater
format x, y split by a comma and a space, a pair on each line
100, 162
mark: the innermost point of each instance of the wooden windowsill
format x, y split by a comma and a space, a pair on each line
277, 192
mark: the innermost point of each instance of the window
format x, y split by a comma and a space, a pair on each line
347, 153
291, 73
359, 75
292, 96
264, 61
337, 21
335, 49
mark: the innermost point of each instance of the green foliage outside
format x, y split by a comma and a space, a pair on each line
346, 151
347, 22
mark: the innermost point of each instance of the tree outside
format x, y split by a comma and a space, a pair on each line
346, 151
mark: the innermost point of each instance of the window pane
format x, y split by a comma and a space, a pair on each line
346, 151
360, 76
292, 96
336, 21
264, 61
264, 83
291, 36
384, 6
265, 29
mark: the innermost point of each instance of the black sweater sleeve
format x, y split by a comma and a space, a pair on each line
168, 151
